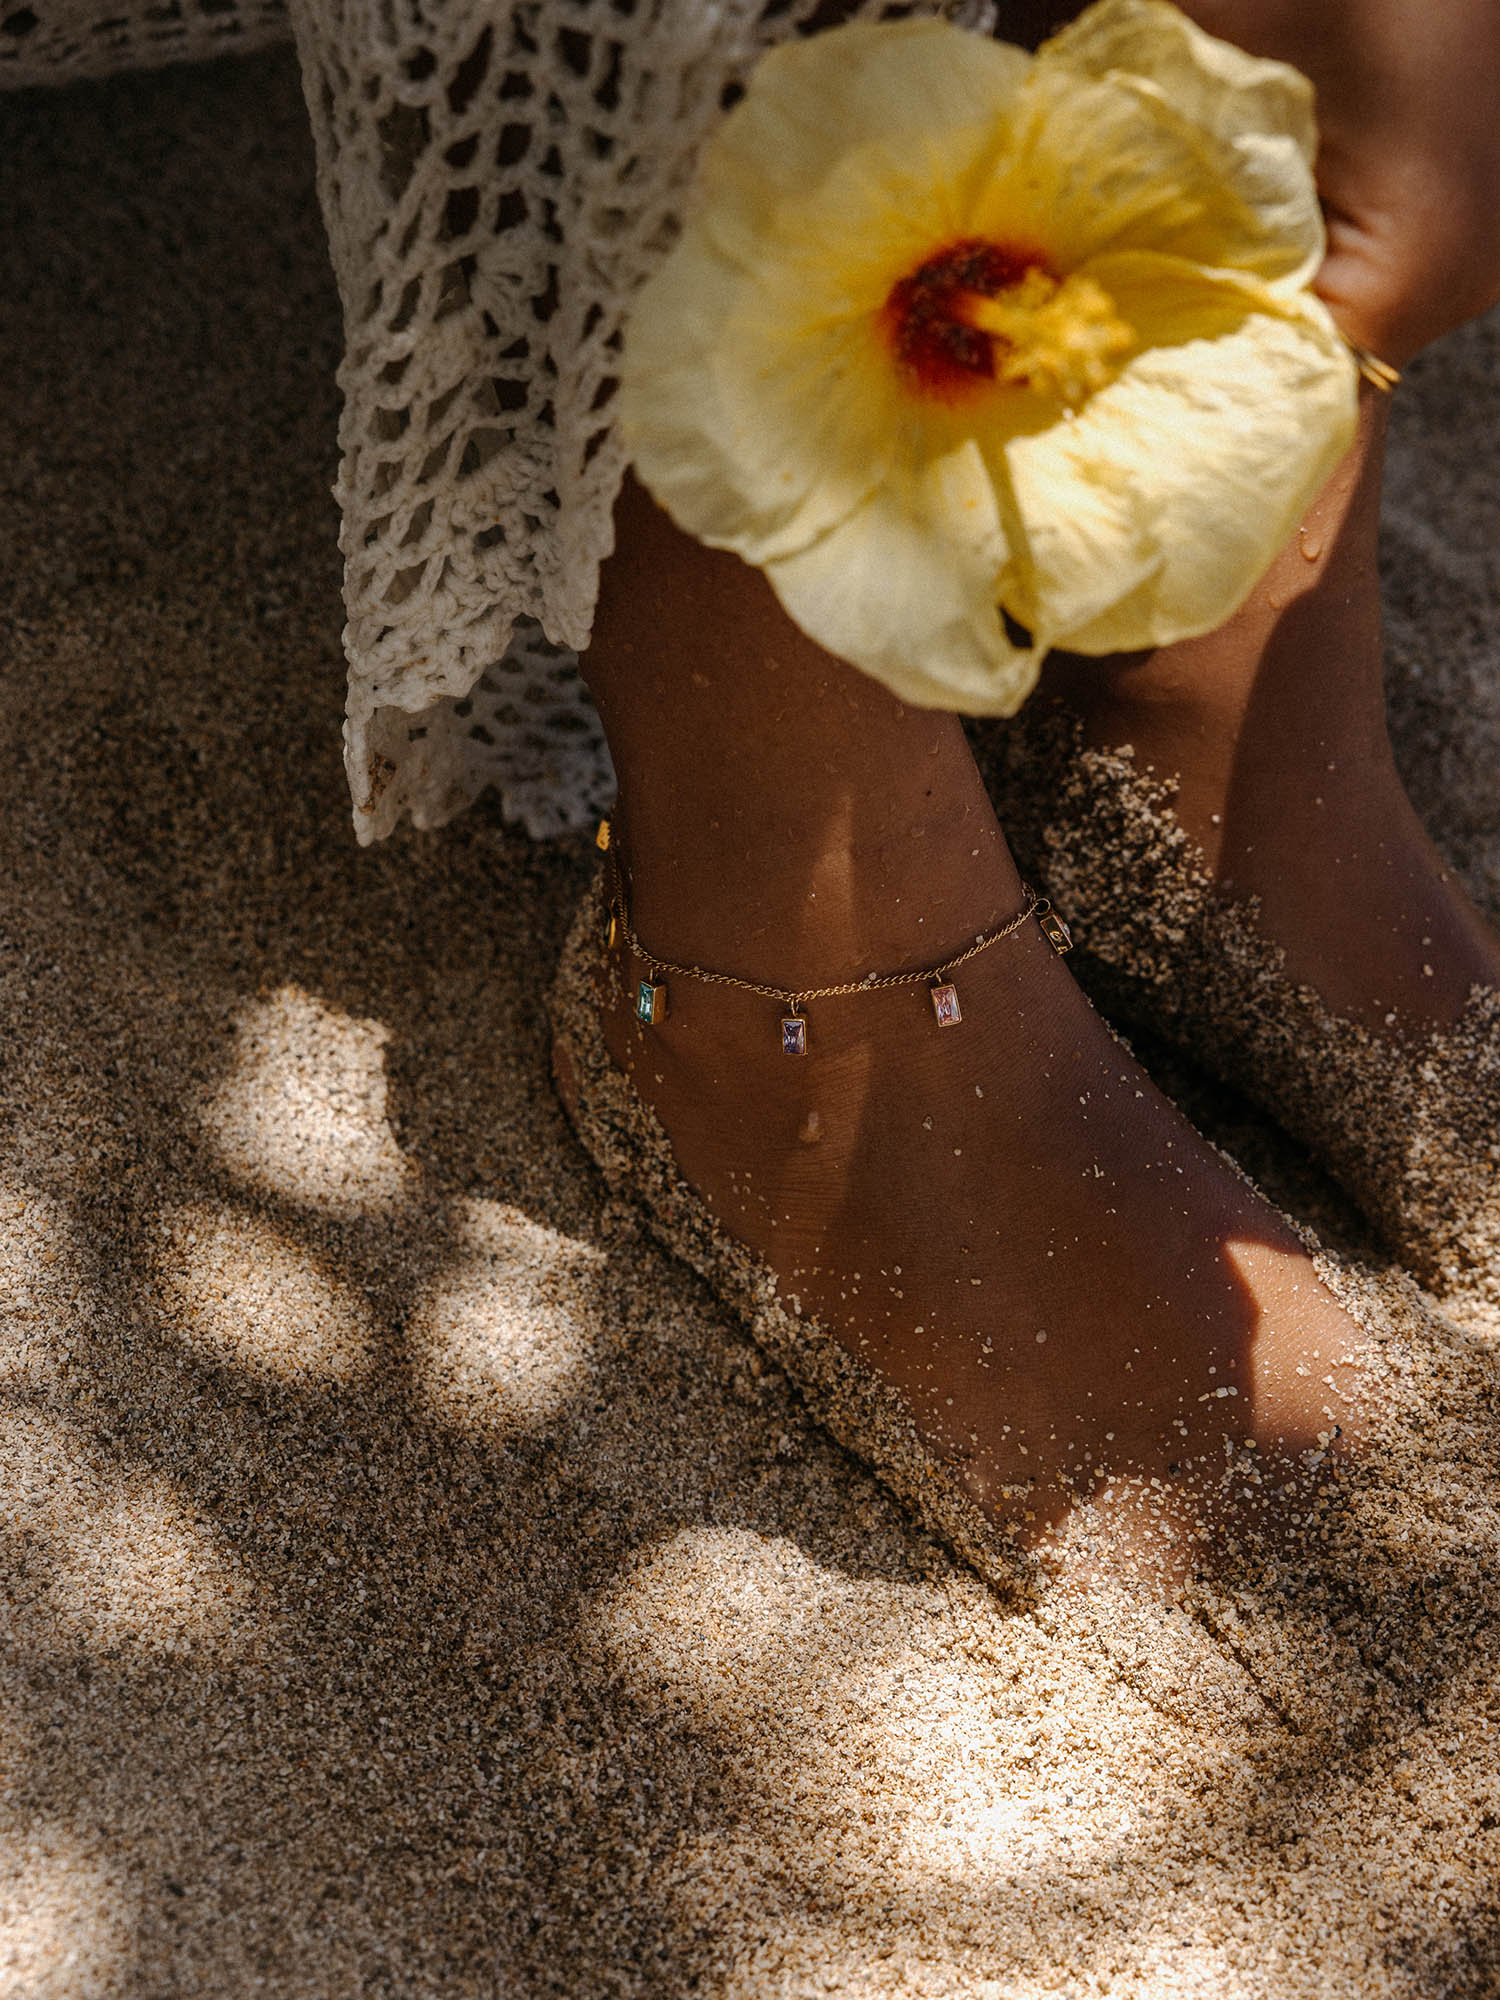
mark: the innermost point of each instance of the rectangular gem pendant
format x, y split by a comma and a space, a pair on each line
793, 1035
1055, 931
945, 1006
650, 1003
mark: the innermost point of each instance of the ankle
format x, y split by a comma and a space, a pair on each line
882, 886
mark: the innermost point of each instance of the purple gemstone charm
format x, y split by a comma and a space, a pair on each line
650, 1003
793, 1035
945, 1006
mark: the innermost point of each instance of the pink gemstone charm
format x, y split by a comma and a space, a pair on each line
793, 1035
945, 1006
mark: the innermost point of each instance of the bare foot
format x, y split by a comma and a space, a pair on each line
1078, 1298
1274, 729
1003, 1218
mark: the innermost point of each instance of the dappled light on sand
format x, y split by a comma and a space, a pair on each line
109, 1556
302, 1111
240, 1293
65, 1921
969, 1768
500, 1344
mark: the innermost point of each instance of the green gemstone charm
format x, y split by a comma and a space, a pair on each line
650, 1003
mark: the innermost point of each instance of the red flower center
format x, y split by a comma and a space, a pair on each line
935, 345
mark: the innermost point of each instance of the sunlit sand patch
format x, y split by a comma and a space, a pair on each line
65, 1925
500, 1341
239, 1291
35, 1267
750, 1629
104, 1556
718, 1612
302, 1111
873, 1757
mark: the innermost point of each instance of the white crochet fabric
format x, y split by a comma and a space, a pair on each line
497, 181
62, 41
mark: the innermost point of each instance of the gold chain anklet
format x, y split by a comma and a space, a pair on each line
651, 992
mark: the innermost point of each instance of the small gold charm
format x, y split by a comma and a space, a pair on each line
650, 1003
1053, 929
945, 1006
601, 838
611, 930
793, 1035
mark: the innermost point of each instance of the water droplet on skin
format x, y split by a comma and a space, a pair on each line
1311, 545
810, 1131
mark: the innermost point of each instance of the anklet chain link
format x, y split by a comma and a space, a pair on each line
651, 997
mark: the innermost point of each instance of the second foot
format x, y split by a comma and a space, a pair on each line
1271, 734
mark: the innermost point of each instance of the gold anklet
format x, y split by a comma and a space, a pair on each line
1379, 374
651, 992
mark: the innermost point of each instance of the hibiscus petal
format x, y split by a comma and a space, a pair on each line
877, 213
753, 431
812, 102
1081, 539
1119, 161
905, 589
1220, 431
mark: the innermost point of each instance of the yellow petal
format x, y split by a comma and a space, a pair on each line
1235, 97
894, 85
1141, 131
1080, 539
1219, 432
905, 589
753, 435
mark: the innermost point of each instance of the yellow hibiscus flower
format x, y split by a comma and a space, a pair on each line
978, 354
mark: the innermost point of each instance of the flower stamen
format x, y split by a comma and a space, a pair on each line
981, 312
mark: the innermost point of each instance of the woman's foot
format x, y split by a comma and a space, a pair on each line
1003, 1218
1273, 729
1007, 1221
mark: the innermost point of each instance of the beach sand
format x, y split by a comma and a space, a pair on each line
414, 1585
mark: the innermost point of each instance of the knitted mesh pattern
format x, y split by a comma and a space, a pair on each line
496, 183
64, 41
